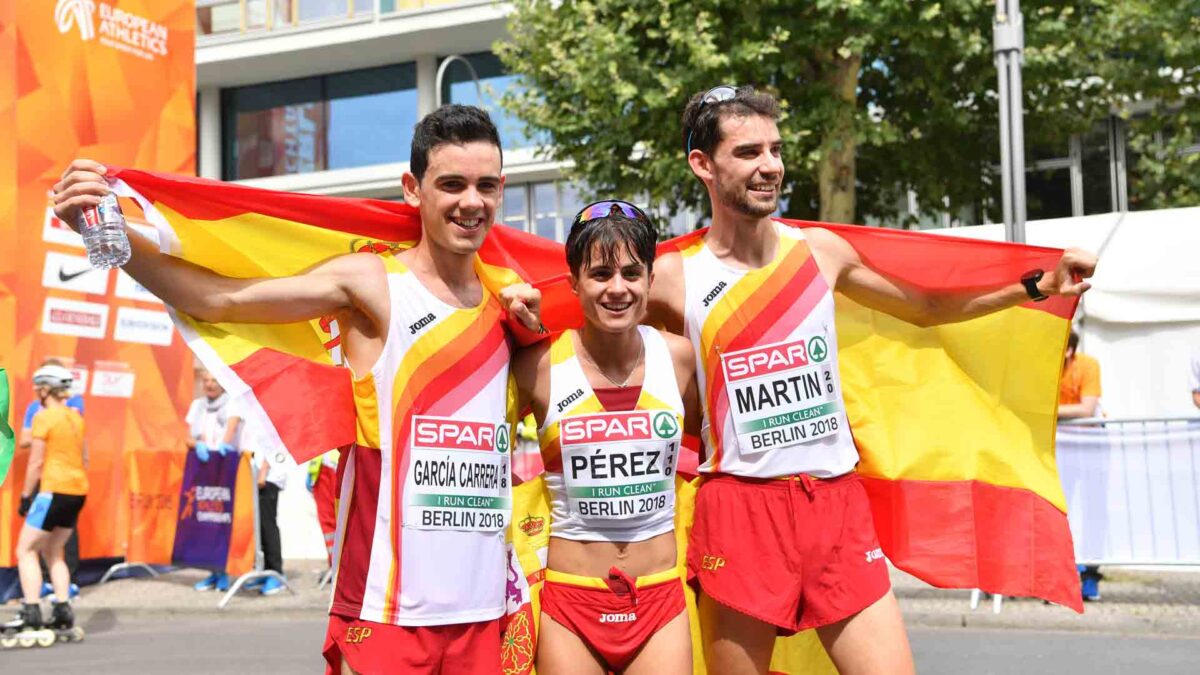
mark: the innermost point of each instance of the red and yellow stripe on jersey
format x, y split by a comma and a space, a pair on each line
438, 362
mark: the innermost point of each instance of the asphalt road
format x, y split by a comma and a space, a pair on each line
188, 645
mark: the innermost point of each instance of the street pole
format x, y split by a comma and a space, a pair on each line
441, 73
1008, 34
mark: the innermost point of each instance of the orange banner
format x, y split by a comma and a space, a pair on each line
153, 483
242, 546
110, 79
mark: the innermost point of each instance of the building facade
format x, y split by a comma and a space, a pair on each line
321, 96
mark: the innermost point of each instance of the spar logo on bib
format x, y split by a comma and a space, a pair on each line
502, 438
665, 425
767, 360
607, 428
451, 434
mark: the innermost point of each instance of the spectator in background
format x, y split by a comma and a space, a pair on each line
1079, 387
71, 552
54, 492
1079, 397
271, 466
213, 426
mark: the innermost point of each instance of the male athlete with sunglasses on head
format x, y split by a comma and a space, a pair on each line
783, 538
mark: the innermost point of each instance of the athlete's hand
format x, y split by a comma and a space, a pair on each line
26, 504
524, 302
82, 185
225, 449
202, 452
1067, 278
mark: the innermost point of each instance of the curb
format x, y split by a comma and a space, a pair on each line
110, 615
1124, 625
95, 618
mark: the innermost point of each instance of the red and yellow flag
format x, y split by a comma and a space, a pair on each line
955, 423
296, 388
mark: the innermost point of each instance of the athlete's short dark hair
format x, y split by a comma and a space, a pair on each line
607, 235
450, 123
702, 123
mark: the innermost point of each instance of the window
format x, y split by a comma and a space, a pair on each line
555, 206
545, 211
459, 87
1048, 193
516, 207
337, 121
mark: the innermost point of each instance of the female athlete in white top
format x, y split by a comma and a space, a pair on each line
612, 401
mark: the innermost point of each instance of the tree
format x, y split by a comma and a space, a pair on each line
878, 97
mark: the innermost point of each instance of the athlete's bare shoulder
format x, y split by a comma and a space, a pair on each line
832, 253
681, 352
666, 303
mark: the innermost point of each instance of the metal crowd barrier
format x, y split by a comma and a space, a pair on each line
1133, 491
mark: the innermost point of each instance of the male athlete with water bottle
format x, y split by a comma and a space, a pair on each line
418, 589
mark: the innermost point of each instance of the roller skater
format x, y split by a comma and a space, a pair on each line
54, 492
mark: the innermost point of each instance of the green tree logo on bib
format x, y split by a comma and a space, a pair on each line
502, 438
817, 349
665, 425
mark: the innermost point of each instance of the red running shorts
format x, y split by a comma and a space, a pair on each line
613, 616
372, 648
797, 553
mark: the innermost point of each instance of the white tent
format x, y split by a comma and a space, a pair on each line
1142, 317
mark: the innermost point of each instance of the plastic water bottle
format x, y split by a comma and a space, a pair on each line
103, 230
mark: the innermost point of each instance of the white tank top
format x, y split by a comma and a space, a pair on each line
611, 475
767, 364
426, 493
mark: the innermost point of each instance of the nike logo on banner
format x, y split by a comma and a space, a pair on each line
64, 277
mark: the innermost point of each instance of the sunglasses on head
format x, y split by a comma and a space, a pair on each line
718, 94
610, 207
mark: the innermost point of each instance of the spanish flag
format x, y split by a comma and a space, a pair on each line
291, 372
954, 423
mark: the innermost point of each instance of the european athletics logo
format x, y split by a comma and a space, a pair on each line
78, 12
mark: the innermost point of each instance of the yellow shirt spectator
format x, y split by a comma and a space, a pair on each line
62, 430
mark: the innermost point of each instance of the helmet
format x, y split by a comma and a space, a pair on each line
55, 377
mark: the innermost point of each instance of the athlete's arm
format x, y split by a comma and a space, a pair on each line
665, 305
524, 302
345, 283
685, 375
848, 274
1085, 408
531, 371
33, 471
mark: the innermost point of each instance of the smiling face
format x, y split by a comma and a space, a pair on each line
746, 169
613, 292
458, 195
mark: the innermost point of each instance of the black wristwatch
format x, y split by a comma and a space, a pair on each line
1030, 281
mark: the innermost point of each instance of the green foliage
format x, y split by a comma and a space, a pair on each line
606, 81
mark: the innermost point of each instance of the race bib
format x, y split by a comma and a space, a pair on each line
782, 395
458, 478
620, 465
